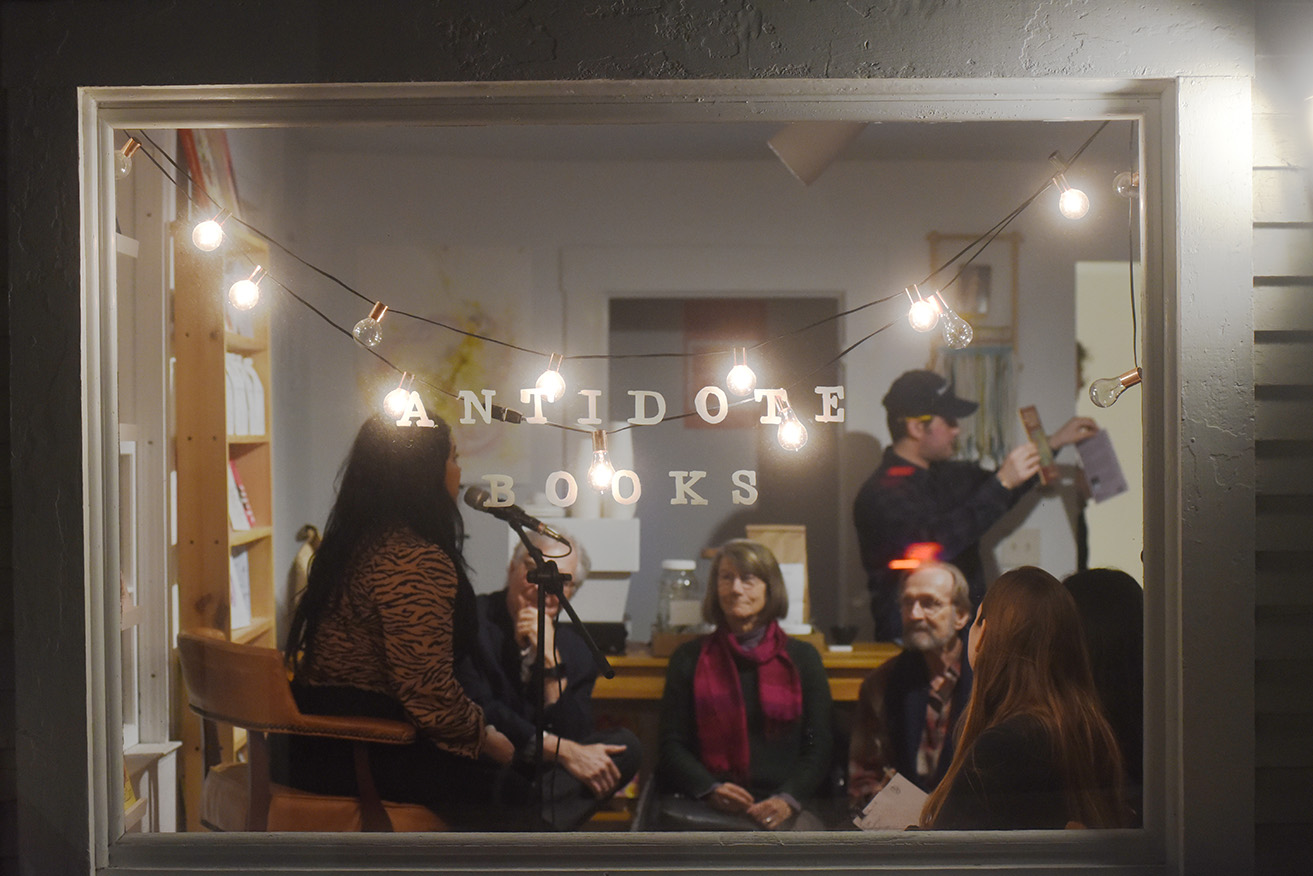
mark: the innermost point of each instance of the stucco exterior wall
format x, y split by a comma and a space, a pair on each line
51, 49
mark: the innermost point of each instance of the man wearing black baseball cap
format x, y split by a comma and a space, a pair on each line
922, 502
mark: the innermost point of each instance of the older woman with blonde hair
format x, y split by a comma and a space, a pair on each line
746, 731
1035, 749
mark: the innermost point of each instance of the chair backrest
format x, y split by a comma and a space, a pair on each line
242, 685
247, 686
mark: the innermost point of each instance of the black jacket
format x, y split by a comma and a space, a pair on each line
491, 677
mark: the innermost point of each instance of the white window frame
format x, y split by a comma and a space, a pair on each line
1199, 789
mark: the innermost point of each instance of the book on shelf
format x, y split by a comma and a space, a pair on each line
240, 406
240, 515
244, 393
229, 396
254, 397
239, 589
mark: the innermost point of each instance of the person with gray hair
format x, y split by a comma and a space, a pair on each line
584, 768
908, 707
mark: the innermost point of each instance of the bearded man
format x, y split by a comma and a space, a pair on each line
908, 706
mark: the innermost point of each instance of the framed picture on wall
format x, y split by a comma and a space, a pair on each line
984, 373
985, 290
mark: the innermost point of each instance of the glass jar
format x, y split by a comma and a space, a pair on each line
679, 598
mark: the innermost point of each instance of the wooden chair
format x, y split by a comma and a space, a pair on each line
247, 687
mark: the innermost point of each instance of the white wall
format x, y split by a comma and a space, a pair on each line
1102, 325
662, 228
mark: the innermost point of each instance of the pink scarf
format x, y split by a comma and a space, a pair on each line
718, 696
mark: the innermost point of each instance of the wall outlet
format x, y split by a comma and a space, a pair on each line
1021, 548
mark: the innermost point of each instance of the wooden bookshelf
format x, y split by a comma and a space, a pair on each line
206, 333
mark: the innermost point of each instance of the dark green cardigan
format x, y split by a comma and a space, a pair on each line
793, 763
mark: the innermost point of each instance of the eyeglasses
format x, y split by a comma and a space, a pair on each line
929, 605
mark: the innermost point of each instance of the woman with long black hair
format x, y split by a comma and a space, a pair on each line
386, 610
1036, 750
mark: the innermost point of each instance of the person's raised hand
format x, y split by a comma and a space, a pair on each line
526, 628
1074, 430
1019, 466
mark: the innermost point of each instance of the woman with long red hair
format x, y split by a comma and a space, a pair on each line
1035, 751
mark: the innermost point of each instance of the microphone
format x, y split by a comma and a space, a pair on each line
477, 498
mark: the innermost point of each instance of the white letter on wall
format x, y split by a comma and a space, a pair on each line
701, 404
684, 494
591, 419
571, 489
746, 481
640, 417
774, 399
415, 410
830, 410
632, 477
500, 491
536, 396
472, 405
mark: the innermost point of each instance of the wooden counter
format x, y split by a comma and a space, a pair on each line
640, 676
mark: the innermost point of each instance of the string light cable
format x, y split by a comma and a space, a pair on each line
1105, 391
974, 248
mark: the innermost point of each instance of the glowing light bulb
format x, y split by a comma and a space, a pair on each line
208, 235
600, 472
245, 294
397, 401
1105, 391
741, 379
792, 433
957, 331
550, 381
923, 315
1072, 203
123, 158
368, 331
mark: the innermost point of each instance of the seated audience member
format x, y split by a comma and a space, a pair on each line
386, 610
1035, 750
1111, 607
501, 676
746, 732
909, 706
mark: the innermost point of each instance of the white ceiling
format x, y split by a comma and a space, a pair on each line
736, 141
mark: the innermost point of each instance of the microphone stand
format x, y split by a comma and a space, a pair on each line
548, 578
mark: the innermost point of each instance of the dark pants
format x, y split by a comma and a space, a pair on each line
567, 802
466, 793
469, 794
